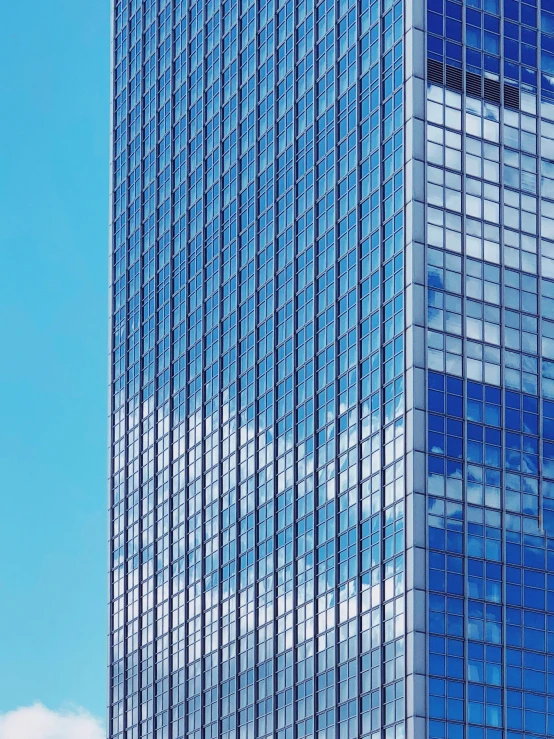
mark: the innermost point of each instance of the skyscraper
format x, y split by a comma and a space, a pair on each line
332, 370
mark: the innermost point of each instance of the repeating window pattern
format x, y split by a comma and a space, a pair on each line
257, 487
489, 243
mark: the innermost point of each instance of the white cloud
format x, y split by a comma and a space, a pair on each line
38, 722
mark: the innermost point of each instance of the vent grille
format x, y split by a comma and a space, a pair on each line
474, 86
511, 97
454, 78
492, 90
435, 72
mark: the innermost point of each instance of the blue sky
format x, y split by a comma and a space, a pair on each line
54, 125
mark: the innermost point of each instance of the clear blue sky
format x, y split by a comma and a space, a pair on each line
54, 148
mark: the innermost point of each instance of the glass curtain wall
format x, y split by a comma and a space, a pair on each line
258, 355
489, 144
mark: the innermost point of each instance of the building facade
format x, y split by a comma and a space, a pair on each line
332, 370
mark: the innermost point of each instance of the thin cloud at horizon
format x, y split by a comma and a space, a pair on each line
39, 722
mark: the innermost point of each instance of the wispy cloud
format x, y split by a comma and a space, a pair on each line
38, 722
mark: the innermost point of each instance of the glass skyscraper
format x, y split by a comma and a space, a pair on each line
332, 370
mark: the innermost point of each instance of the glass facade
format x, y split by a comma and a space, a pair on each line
332, 370
489, 146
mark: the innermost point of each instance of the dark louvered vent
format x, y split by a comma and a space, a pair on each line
454, 78
511, 96
474, 85
435, 72
492, 90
